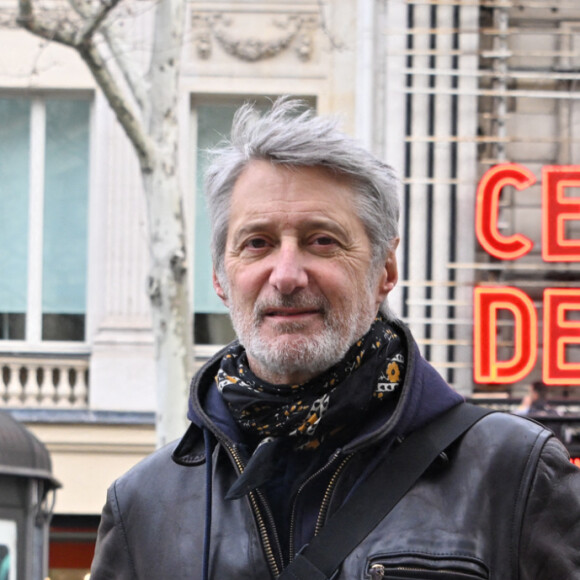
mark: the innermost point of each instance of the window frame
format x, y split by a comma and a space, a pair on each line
33, 342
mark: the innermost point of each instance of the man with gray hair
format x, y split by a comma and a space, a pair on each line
304, 430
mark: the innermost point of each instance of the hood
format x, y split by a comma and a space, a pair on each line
424, 396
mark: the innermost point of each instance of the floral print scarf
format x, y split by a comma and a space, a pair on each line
370, 375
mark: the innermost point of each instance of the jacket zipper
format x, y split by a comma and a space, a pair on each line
325, 500
262, 527
328, 494
378, 571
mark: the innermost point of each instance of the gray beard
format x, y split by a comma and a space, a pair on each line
301, 354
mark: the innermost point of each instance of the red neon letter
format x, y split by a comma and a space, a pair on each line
556, 210
486, 367
487, 209
558, 333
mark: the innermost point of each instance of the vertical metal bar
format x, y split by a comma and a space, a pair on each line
408, 168
500, 65
451, 276
430, 175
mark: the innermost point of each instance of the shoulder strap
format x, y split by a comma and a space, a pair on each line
374, 498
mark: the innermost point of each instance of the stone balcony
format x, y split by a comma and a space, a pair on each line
44, 381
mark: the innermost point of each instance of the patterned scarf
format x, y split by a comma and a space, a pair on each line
369, 375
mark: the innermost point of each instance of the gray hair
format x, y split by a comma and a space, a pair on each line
290, 135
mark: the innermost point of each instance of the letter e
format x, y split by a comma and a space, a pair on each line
559, 332
557, 209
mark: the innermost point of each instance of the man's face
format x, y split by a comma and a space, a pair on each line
298, 280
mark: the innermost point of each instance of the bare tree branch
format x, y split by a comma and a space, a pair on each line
67, 32
81, 8
48, 28
129, 119
95, 20
134, 81
116, 49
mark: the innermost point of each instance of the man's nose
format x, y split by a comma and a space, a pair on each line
288, 273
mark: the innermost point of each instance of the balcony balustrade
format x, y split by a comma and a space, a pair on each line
44, 382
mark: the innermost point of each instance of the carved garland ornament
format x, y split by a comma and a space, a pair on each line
296, 30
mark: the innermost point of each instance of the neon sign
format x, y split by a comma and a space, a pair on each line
560, 328
487, 211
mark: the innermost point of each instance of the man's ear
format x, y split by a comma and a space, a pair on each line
389, 274
218, 288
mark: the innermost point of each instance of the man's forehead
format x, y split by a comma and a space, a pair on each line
272, 197
264, 186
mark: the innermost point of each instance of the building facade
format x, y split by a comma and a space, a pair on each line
441, 90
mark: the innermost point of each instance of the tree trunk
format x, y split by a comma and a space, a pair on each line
168, 281
170, 301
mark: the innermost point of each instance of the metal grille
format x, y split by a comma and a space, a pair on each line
486, 82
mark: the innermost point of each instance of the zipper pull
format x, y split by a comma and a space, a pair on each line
377, 571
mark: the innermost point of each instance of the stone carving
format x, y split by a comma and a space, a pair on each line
296, 30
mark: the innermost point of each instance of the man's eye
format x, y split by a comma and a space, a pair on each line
324, 241
256, 243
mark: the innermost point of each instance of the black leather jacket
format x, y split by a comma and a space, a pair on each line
504, 505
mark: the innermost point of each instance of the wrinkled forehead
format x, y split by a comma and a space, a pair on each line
261, 177
265, 189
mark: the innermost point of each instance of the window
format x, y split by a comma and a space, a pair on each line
211, 321
44, 165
